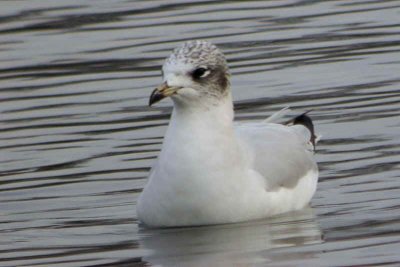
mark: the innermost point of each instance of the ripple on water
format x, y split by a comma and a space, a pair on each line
77, 138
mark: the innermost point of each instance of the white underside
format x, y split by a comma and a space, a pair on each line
244, 204
210, 172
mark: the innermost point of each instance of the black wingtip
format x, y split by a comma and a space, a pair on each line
306, 121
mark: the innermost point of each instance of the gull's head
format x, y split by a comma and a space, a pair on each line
192, 73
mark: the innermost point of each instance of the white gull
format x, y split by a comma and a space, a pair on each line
211, 170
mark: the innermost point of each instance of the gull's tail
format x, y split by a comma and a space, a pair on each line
306, 121
302, 119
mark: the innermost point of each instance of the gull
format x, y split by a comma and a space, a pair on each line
212, 170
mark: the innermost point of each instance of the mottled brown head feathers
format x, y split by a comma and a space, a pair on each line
205, 62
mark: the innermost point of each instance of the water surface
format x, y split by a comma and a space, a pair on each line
77, 138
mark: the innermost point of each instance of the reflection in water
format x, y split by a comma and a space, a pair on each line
77, 138
231, 244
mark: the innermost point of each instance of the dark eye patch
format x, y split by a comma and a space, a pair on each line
198, 73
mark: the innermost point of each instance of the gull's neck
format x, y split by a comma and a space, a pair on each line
215, 114
200, 133
201, 128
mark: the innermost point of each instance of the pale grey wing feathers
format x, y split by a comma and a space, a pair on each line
280, 153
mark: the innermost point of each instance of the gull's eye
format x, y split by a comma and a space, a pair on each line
200, 73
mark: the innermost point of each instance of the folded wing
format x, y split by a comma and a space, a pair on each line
282, 154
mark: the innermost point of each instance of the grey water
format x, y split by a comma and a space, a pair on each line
77, 138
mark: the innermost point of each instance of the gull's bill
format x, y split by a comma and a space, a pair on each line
161, 92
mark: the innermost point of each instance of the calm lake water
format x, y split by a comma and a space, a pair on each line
77, 138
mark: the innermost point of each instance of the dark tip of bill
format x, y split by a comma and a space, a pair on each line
155, 97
